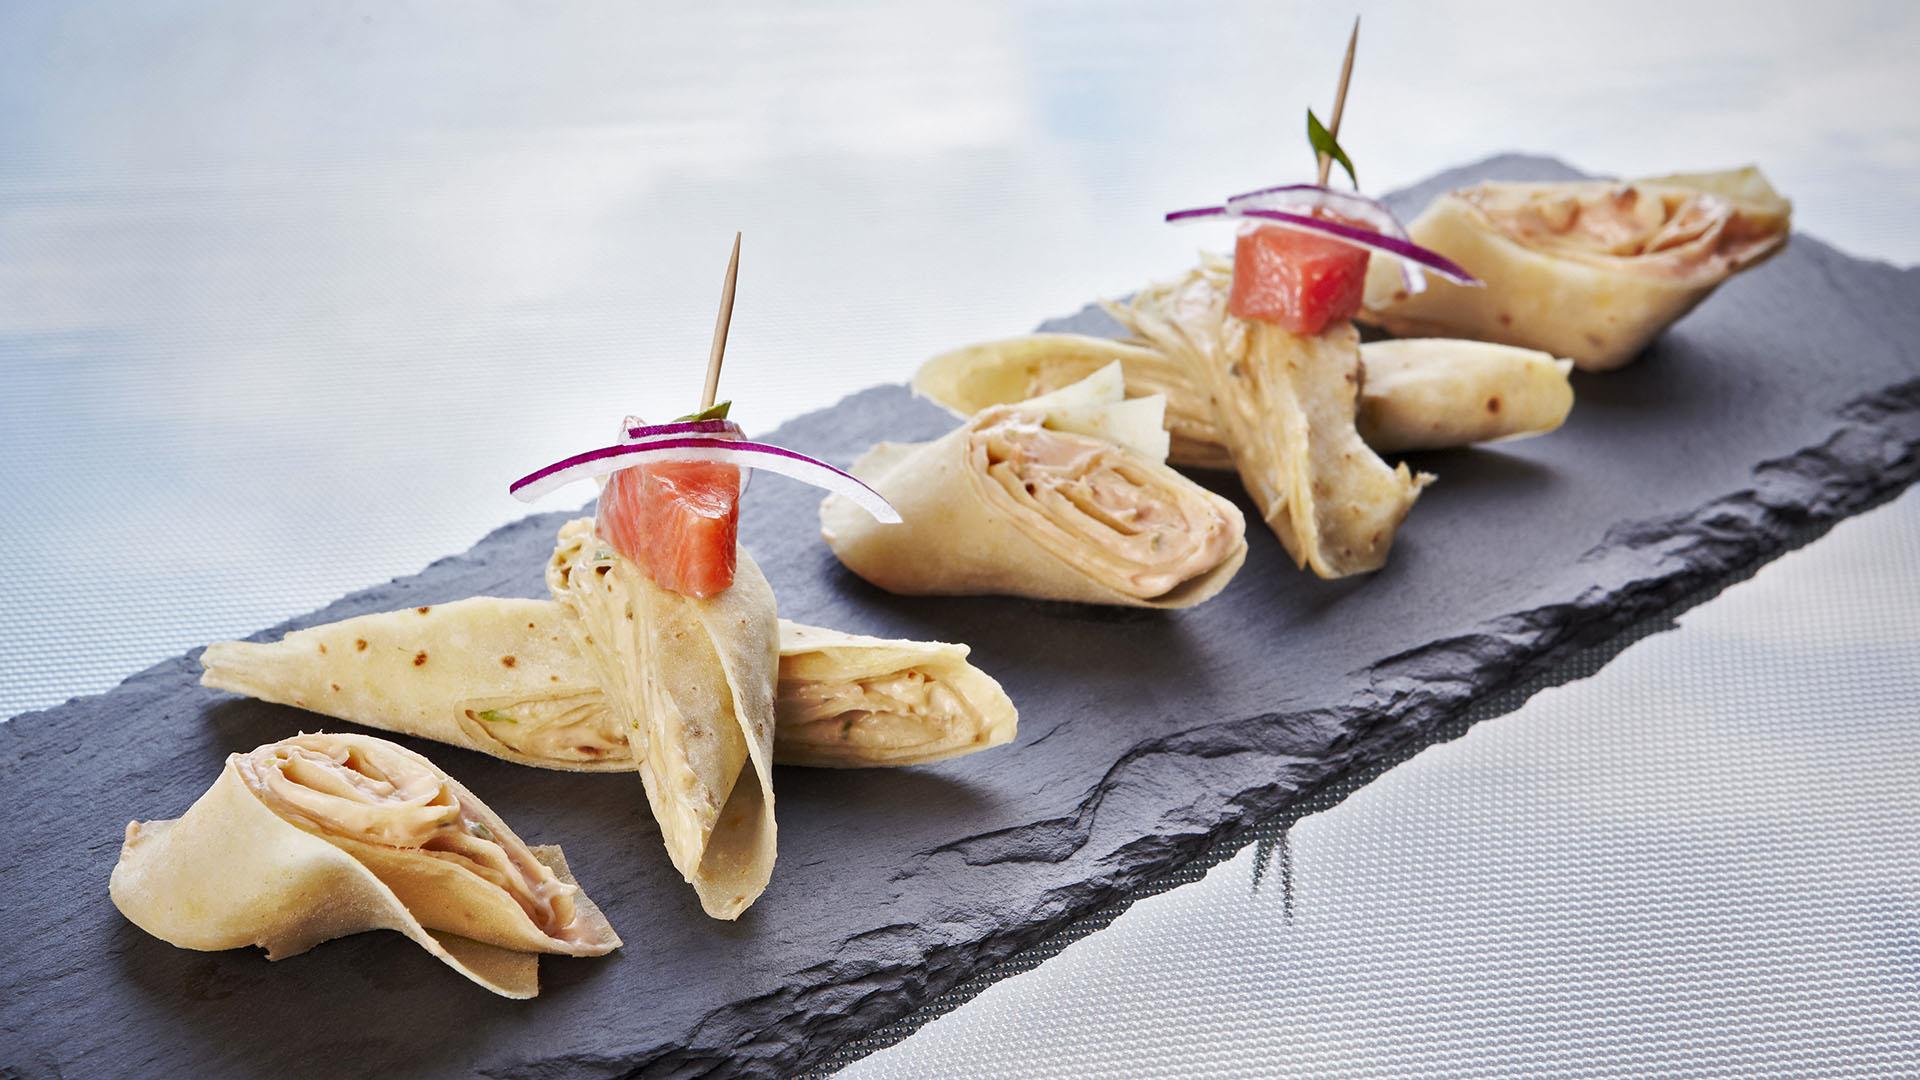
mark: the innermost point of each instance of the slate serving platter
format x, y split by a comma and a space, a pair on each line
1789, 400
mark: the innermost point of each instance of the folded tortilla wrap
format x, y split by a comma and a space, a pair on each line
1289, 407
1593, 270
1064, 497
500, 676
1432, 393
692, 683
324, 835
504, 677
1445, 405
847, 701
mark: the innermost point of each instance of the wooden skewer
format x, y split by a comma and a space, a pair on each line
720, 328
1340, 99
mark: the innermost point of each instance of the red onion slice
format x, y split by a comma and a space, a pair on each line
1348, 204
638, 432
1404, 250
742, 453
1199, 212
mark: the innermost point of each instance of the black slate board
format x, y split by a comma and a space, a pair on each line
1789, 400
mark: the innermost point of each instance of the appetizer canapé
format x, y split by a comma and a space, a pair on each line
677, 627
1273, 344
1592, 270
321, 836
669, 619
506, 678
1261, 368
1063, 497
1288, 405
659, 652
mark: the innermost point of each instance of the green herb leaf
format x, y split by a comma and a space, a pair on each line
495, 716
1323, 143
480, 830
712, 412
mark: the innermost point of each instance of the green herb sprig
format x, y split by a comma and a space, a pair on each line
1323, 142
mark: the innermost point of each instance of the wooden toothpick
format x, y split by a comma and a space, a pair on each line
1340, 99
720, 328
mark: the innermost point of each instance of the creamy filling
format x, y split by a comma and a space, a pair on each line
1145, 533
575, 728
1672, 231
903, 711
371, 793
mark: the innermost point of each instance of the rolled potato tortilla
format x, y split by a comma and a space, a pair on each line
1444, 406
1592, 270
692, 683
1433, 393
1018, 501
500, 676
846, 701
1289, 406
842, 700
320, 836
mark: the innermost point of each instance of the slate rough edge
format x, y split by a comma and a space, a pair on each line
1871, 459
